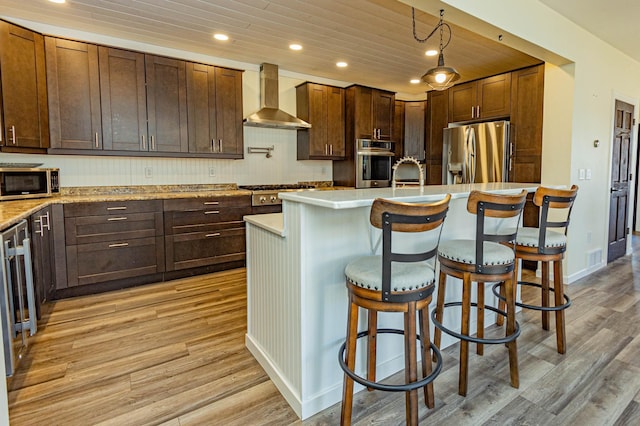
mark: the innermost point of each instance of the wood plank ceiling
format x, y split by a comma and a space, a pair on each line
373, 36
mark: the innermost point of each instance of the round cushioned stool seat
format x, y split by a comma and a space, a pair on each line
464, 251
529, 237
365, 272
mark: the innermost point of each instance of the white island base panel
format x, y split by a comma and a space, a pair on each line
297, 298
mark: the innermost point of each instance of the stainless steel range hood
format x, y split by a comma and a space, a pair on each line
269, 114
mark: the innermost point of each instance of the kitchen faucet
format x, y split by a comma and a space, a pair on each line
408, 160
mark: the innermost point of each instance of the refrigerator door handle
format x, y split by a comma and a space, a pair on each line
470, 160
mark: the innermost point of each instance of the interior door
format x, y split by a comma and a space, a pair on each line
620, 174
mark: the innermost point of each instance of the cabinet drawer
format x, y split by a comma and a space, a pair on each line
94, 229
99, 262
204, 248
213, 203
199, 226
179, 222
112, 208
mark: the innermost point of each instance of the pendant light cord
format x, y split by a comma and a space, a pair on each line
441, 25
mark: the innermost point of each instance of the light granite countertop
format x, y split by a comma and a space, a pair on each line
12, 212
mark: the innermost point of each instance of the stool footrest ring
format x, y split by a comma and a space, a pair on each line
488, 341
534, 307
384, 387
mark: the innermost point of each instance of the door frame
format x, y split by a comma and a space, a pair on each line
633, 158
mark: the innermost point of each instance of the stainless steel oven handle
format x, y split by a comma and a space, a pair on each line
377, 153
25, 250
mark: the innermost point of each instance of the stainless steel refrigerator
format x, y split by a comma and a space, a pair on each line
476, 153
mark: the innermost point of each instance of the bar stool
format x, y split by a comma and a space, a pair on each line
395, 282
545, 245
488, 258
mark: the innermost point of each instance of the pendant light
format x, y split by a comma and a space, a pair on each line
440, 77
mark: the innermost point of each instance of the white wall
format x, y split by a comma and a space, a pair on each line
282, 167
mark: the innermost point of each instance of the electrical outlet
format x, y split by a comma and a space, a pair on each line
148, 172
212, 172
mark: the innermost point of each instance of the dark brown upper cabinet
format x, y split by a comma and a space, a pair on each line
323, 107
127, 103
481, 99
370, 112
123, 100
23, 90
73, 83
215, 111
166, 104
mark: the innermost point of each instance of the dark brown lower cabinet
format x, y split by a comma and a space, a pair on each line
204, 232
109, 241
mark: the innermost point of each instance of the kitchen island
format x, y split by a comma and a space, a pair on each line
297, 299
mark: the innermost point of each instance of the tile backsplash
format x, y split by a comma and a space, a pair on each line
282, 167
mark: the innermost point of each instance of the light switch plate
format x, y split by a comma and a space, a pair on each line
588, 174
581, 174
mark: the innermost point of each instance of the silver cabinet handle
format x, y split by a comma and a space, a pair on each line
153, 143
216, 234
116, 245
478, 112
331, 149
113, 219
42, 224
13, 135
473, 112
211, 203
97, 140
117, 208
144, 144
212, 212
41, 230
219, 145
326, 149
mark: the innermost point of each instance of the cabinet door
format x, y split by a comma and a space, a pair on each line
383, 103
317, 107
494, 96
74, 94
462, 102
123, 100
24, 89
437, 120
363, 113
335, 121
414, 131
398, 128
201, 107
107, 261
228, 95
527, 91
166, 104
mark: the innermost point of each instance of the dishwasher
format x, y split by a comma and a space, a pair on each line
17, 296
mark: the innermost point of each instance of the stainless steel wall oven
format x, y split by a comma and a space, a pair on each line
373, 163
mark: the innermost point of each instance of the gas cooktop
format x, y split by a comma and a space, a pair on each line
267, 195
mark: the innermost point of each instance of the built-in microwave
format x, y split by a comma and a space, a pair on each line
22, 182
373, 163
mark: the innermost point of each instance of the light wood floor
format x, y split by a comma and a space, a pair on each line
173, 354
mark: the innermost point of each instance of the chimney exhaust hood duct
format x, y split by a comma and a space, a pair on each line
269, 114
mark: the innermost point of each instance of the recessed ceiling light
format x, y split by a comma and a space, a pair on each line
295, 46
58, 1
221, 37
431, 52
341, 64
414, 81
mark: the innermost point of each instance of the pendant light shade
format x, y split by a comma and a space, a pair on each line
440, 77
